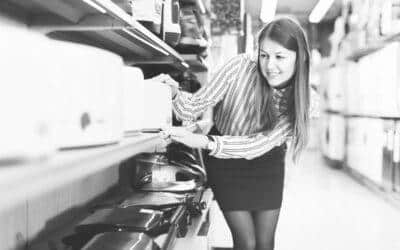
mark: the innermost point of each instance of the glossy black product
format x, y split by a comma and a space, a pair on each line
194, 168
150, 167
172, 186
121, 241
129, 219
155, 200
144, 165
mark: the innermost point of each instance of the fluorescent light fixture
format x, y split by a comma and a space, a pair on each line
268, 9
185, 64
200, 4
320, 10
95, 5
144, 41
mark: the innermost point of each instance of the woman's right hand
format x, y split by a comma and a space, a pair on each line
167, 79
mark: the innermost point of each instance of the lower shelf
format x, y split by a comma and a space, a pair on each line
17, 182
389, 196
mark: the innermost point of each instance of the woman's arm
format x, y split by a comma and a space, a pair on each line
252, 146
188, 107
248, 147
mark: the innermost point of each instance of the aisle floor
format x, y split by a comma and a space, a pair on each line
325, 209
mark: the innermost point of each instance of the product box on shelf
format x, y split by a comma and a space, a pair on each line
147, 104
333, 132
170, 27
375, 92
387, 86
133, 99
354, 101
336, 88
368, 85
157, 105
366, 143
148, 13
89, 95
26, 103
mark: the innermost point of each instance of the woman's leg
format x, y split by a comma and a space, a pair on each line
242, 228
265, 225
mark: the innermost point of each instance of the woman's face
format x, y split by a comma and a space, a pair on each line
277, 63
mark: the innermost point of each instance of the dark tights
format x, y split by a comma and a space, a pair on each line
252, 230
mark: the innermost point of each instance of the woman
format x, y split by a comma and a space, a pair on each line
259, 103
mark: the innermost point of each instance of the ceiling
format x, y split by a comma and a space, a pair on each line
300, 8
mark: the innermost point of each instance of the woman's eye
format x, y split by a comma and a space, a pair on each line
280, 57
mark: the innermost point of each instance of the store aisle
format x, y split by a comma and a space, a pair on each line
325, 209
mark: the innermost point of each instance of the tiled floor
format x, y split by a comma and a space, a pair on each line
325, 209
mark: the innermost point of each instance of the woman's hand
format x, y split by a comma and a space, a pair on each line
167, 79
182, 135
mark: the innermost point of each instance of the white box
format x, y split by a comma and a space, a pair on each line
26, 102
89, 96
133, 99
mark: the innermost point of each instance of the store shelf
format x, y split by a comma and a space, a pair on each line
356, 55
195, 62
17, 182
97, 22
354, 115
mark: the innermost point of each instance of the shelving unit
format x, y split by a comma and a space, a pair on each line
58, 187
99, 23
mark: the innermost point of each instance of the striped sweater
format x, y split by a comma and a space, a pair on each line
232, 95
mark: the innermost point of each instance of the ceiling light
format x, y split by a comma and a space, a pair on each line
268, 9
320, 10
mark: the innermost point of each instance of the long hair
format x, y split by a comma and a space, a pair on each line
290, 35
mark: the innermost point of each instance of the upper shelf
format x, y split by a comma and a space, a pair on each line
100, 23
356, 55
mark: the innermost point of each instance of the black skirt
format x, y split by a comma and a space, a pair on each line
240, 184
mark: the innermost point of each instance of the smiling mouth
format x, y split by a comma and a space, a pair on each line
272, 75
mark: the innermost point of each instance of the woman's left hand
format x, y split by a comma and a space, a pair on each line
186, 137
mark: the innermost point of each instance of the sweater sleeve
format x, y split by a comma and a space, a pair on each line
188, 107
252, 146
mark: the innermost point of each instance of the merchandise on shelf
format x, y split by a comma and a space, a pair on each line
170, 28
192, 40
369, 136
147, 104
333, 85
126, 5
157, 105
27, 105
378, 90
332, 136
148, 13
88, 88
121, 240
133, 99
354, 101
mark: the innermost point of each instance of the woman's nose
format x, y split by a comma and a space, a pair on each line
271, 63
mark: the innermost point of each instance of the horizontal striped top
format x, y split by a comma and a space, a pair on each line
232, 94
